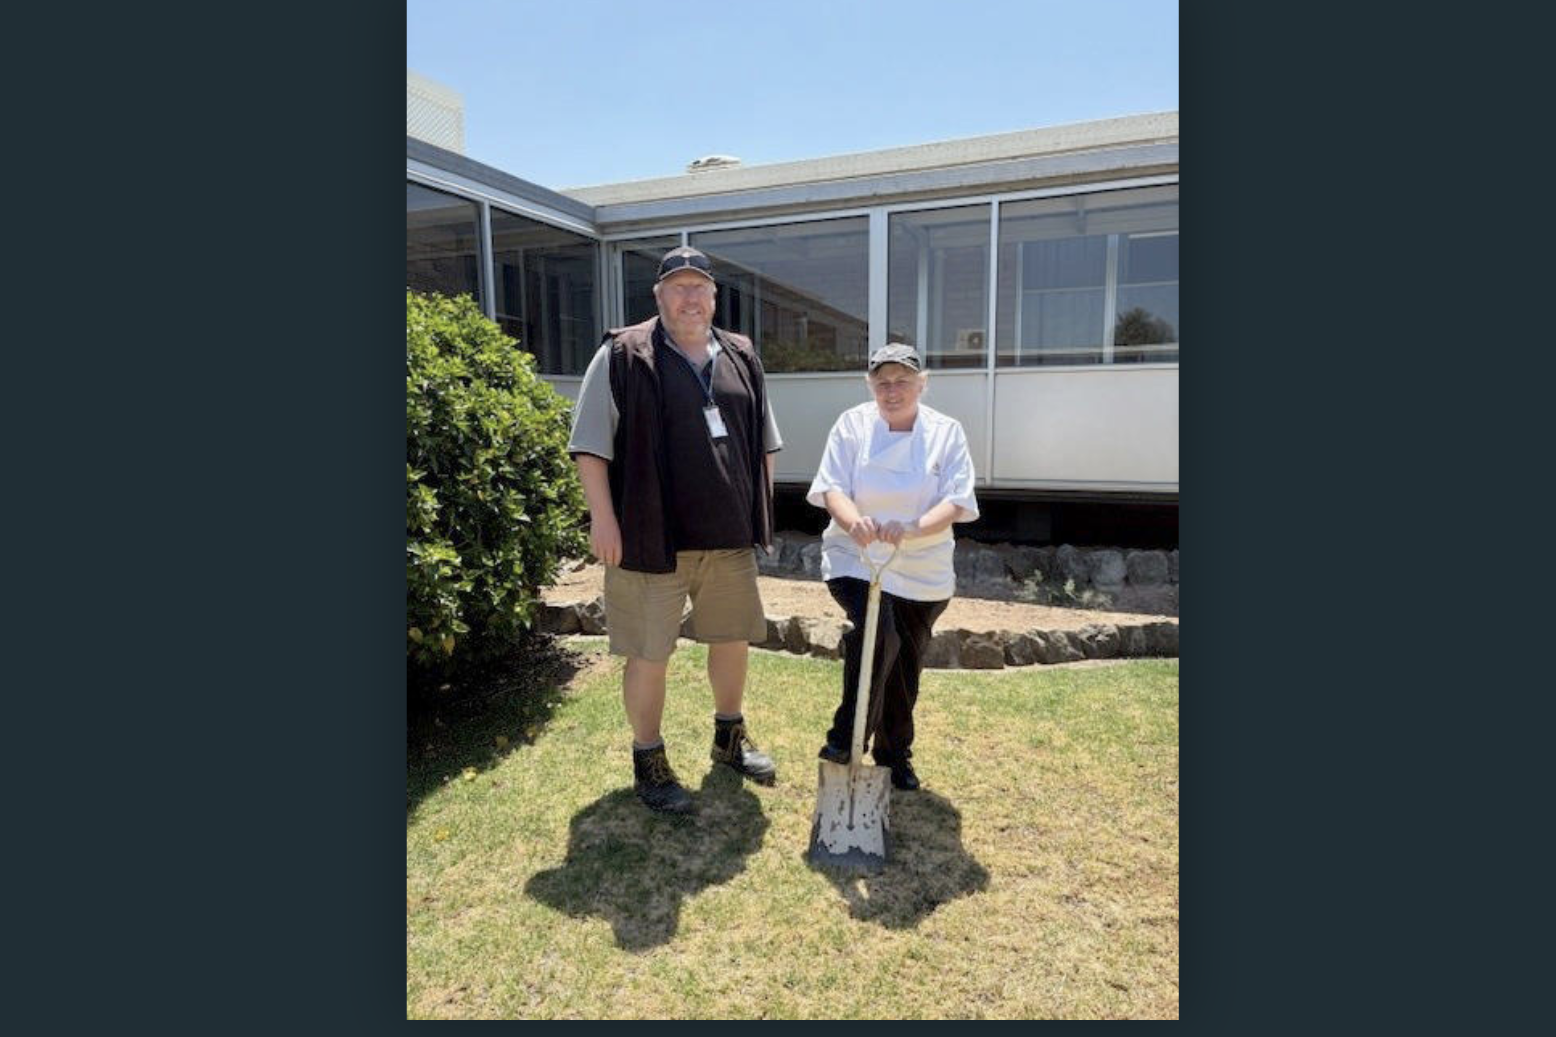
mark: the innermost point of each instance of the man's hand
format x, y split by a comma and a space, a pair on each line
605, 539
863, 532
894, 533
604, 533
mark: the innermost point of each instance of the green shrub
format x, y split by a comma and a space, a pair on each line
493, 503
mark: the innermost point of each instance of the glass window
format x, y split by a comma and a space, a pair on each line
937, 294
1063, 297
800, 290
639, 265
1089, 279
1146, 328
440, 243
547, 296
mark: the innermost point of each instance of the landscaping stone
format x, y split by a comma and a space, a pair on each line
1022, 649
1057, 647
1162, 638
770, 564
794, 636
1076, 642
561, 618
1107, 571
981, 572
1098, 640
776, 627
944, 651
1020, 561
812, 636
591, 617
789, 554
828, 643
1145, 568
981, 652
989, 567
1043, 561
1070, 564
1132, 641
810, 559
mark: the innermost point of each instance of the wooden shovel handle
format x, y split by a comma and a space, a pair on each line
872, 615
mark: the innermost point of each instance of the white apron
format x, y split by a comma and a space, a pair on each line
892, 482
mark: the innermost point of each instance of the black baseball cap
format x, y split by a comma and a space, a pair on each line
684, 258
896, 353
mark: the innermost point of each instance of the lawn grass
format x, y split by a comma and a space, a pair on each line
1034, 876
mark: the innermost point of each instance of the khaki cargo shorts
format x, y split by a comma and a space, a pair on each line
643, 611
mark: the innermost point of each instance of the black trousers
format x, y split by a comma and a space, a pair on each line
903, 630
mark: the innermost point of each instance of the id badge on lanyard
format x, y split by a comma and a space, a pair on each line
710, 412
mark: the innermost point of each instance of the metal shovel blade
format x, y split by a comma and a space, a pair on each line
851, 824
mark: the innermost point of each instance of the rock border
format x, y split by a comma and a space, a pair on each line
954, 649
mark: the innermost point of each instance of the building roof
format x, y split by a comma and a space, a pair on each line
1125, 131
503, 188
1135, 149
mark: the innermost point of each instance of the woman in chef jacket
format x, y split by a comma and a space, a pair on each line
896, 471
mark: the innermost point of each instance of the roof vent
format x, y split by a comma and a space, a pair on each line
707, 162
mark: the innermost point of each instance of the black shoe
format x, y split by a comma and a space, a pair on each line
832, 753
656, 784
735, 750
902, 776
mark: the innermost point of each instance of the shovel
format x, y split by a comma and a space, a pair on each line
850, 827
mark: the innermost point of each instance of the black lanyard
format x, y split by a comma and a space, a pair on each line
713, 358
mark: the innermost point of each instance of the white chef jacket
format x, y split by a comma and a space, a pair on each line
896, 476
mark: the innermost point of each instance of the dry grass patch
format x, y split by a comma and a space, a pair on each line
1035, 875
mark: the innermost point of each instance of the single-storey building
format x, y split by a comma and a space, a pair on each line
1037, 273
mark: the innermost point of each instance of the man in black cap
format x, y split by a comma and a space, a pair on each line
673, 439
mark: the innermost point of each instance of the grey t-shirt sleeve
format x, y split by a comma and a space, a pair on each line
595, 415
772, 442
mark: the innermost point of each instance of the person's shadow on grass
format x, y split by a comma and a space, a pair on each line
926, 865
633, 867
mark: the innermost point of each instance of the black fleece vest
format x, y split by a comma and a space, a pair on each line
641, 471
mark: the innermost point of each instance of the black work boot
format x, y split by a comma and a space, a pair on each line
656, 783
732, 747
902, 776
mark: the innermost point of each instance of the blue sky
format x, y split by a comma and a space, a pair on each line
598, 91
